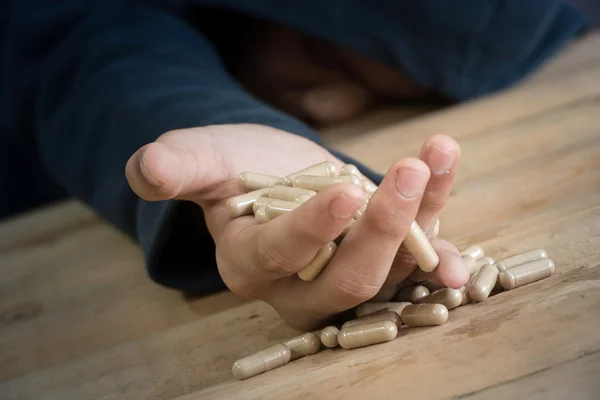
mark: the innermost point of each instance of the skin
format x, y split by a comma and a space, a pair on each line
260, 261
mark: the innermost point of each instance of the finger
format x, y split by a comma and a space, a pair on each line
287, 244
363, 260
452, 270
442, 154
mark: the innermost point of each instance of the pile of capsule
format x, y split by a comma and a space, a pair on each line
421, 304
268, 197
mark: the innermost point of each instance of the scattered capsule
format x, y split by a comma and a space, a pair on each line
318, 263
329, 336
527, 273
288, 193
483, 261
326, 168
418, 245
522, 258
484, 282
320, 183
474, 251
242, 204
370, 308
450, 298
252, 181
424, 315
411, 294
368, 334
277, 207
263, 361
304, 345
378, 316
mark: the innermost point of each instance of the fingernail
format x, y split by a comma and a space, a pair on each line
410, 182
343, 206
148, 174
439, 160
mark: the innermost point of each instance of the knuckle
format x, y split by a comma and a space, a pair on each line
388, 222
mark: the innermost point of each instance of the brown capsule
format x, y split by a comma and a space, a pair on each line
277, 207
474, 251
368, 334
527, 273
484, 282
424, 315
320, 183
378, 316
370, 308
250, 181
304, 345
418, 245
263, 361
521, 258
326, 168
318, 263
288, 193
450, 298
329, 336
242, 204
412, 294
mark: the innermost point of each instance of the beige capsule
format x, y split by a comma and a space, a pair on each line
320, 183
378, 316
260, 203
474, 251
411, 294
242, 204
471, 263
304, 345
450, 298
288, 193
521, 258
484, 261
370, 308
326, 168
424, 315
260, 215
263, 361
303, 198
329, 336
318, 263
464, 291
418, 245
527, 273
350, 169
484, 282
252, 181
367, 334
277, 207
368, 185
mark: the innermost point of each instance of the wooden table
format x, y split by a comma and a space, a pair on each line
79, 319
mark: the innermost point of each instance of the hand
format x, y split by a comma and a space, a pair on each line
260, 261
315, 80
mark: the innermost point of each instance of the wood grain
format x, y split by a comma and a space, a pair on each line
80, 319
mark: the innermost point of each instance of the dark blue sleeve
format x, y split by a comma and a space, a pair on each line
85, 84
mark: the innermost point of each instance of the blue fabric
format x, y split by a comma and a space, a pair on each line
85, 84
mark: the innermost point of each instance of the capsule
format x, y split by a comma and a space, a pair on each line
303, 345
350, 169
450, 298
368, 334
432, 285
263, 361
370, 308
471, 263
360, 211
525, 274
424, 315
464, 291
418, 245
318, 263
484, 282
378, 316
320, 183
368, 185
522, 258
326, 168
484, 261
242, 204
474, 251
436, 229
260, 203
277, 207
329, 336
301, 199
411, 294
288, 193
250, 181
260, 215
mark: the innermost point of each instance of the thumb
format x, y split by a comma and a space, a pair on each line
162, 171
